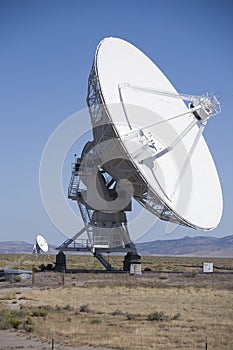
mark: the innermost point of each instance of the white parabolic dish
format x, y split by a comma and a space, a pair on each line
197, 197
42, 243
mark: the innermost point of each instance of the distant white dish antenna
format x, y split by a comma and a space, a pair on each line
147, 145
40, 245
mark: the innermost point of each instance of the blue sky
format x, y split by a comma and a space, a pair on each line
47, 48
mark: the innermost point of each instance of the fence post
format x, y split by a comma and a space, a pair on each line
63, 277
33, 275
52, 342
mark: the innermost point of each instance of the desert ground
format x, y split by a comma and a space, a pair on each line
14, 340
171, 305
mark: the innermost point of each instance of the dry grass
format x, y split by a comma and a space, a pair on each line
8, 295
118, 317
193, 306
25, 261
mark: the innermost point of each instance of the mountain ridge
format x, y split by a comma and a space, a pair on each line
186, 246
189, 246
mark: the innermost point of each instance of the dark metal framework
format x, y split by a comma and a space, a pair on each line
101, 119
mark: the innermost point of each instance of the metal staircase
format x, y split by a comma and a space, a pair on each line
73, 187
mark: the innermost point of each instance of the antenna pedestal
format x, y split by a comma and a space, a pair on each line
106, 229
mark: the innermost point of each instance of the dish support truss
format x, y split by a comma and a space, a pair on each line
103, 130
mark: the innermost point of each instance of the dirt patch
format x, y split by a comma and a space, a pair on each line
15, 340
50, 279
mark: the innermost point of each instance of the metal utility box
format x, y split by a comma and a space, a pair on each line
135, 269
208, 267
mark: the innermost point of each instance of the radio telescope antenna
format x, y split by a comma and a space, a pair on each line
147, 144
40, 245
